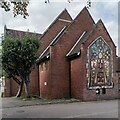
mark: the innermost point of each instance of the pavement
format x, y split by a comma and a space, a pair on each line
10, 102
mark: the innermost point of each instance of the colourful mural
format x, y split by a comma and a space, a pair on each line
99, 64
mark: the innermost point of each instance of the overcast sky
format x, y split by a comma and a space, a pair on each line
41, 15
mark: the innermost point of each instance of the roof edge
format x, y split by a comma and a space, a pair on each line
101, 22
76, 43
53, 42
57, 18
85, 8
21, 31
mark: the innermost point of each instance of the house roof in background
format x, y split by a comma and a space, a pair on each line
18, 33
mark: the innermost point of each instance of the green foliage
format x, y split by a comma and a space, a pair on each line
19, 54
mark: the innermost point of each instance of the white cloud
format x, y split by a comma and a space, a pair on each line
112, 28
41, 15
108, 12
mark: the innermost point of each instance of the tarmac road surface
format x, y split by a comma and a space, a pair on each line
94, 109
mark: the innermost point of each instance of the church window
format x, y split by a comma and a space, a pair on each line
99, 71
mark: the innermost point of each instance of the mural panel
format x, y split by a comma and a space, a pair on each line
99, 64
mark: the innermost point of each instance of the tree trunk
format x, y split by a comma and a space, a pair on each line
20, 89
16, 80
27, 87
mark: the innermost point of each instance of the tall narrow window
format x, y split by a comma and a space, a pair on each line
99, 64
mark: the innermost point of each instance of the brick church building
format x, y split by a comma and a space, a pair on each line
77, 59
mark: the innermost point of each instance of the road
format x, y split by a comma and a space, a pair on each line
94, 109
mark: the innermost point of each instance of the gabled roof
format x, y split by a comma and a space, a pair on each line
61, 17
65, 17
75, 50
84, 11
46, 52
68, 19
101, 23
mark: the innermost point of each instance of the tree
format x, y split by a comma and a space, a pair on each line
18, 59
20, 6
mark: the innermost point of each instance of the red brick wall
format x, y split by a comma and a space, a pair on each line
11, 87
14, 88
56, 72
44, 77
59, 72
34, 82
79, 78
48, 36
7, 88
47, 91
110, 93
60, 68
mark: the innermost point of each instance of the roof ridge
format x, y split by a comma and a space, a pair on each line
100, 21
21, 31
76, 43
83, 37
86, 9
52, 42
57, 18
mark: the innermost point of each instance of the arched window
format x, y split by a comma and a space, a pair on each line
99, 71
